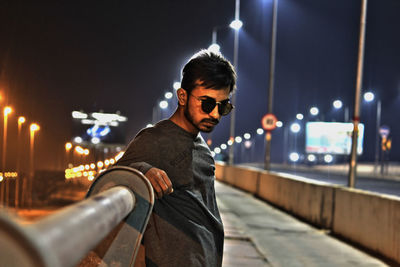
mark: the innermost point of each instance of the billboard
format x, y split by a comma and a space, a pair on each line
332, 138
99, 127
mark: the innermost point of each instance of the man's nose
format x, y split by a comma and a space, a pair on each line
214, 113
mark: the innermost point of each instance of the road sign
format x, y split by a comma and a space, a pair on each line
268, 122
384, 131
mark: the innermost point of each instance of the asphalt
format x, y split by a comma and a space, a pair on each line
258, 234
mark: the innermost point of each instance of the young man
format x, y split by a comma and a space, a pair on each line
185, 228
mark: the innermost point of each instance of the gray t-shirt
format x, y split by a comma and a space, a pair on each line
185, 228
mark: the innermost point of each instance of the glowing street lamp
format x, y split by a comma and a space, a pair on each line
163, 104
68, 147
299, 116
177, 85
337, 104
369, 96
168, 95
34, 127
236, 24
314, 111
21, 120
7, 110
295, 127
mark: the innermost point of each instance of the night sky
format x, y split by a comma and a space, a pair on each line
59, 56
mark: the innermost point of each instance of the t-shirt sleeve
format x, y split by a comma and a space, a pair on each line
141, 153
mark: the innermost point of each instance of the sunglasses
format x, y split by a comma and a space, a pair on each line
208, 104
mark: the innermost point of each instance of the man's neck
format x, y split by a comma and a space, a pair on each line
179, 119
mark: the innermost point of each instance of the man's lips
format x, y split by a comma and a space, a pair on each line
210, 122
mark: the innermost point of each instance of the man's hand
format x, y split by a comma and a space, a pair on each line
159, 180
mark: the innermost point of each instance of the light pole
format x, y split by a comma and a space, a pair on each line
369, 97
295, 129
214, 47
34, 127
356, 118
338, 104
68, 147
271, 82
236, 25
21, 120
7, 110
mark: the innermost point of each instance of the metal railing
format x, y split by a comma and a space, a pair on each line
110, 223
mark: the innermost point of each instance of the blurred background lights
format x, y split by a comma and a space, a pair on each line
260, 131
236, 24
369, 96
177, 85
224, 146
247, 136
279, 124
314, 111
337, 104
163, 104
311, 158
328, 158
295, 127
215, 48
238, 139
95, 140
168, 95
294, 156
299, 116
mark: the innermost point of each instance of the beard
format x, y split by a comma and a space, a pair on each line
209, 122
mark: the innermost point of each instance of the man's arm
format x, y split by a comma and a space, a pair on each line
141, 154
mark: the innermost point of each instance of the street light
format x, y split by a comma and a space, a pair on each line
163, 104
295, 127
214, 47
68, 147
235, 24
34, 127
177, 85
369, 97
299, 116
338, 104
314, 111
21, 120
7, 110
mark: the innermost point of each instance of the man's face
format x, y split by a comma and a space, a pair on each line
202, 121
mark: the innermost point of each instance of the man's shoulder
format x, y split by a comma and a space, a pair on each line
155, 131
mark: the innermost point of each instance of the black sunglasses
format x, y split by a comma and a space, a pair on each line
208, 104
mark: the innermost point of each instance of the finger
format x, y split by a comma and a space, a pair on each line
167, 184
156, 187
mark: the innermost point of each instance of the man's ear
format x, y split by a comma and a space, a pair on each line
182, 96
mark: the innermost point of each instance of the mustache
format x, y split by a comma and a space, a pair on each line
213, 121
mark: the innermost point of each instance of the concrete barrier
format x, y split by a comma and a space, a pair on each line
309, 200
368, 219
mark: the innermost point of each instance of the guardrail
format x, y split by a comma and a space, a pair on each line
113, 218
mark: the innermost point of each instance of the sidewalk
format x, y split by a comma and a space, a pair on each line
257, 234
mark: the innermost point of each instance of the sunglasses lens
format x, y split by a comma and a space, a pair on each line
224, 108
208, 105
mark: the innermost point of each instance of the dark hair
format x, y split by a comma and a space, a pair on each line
210, 70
